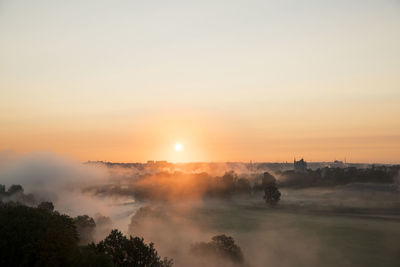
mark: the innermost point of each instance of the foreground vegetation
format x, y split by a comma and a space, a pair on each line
310, 227
41, 237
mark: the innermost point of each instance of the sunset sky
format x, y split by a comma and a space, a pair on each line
228, 80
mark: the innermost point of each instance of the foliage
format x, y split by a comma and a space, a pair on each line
16, 193
130, 251
338, 176
243, 186
90, 258
15, 189
85, 226
271, 191
141, 214
36, 237
272, 195
220, 246
39, 237
46, 205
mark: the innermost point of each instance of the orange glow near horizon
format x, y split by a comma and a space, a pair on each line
227, 81
206, 138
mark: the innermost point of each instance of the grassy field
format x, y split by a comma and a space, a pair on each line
285, 237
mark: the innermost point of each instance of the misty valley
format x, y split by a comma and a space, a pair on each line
59, 212
211, 133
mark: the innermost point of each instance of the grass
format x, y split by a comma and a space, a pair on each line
306, 238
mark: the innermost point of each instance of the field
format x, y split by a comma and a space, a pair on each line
297, 238
304, 236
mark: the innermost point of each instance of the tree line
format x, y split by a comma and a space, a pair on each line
179, 185
41, 236
338, 176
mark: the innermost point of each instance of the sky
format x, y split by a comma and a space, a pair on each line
228, 80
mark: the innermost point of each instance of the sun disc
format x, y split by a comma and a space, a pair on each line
178, 147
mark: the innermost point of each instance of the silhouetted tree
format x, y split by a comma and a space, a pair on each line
46, 205
36, 237
90, 258
220, 246
85, 226
15, 189
141, 214
227, 183
329, 176
243, 186
271, 192
2, 189
130, 252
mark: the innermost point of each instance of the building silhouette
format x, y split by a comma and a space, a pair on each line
300, 166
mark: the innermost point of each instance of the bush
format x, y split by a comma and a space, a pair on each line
221, 246
130, 251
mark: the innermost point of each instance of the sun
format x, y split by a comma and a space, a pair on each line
178, 147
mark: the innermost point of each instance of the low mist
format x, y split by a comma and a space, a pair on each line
180, 206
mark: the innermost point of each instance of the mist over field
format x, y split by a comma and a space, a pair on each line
353, 224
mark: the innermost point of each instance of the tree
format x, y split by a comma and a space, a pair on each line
140, 215
130, 251
220, 246
16, 194
2, 189
15, 189
46, 205
36, 237
271, 192
90, 258
243, 186
227, 184
85, 226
